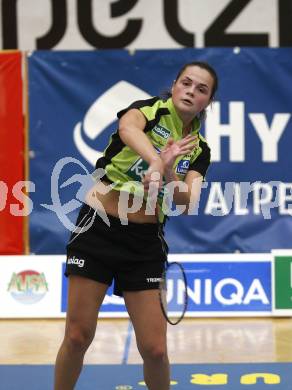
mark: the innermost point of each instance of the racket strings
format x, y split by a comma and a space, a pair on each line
173, 293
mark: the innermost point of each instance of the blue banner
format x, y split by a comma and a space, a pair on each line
245, 204
228, 286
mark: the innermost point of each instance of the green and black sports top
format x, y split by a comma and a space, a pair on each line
125, 168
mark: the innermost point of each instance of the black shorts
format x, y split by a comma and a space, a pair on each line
132, 255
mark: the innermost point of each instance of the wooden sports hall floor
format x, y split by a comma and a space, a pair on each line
227, 340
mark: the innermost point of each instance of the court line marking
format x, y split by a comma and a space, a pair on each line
127, 343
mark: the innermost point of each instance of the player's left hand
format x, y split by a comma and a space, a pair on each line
174, 149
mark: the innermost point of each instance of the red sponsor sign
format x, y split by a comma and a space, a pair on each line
11, 154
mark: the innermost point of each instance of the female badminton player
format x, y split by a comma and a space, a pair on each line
157, 145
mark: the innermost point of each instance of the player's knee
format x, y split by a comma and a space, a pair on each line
154, 351
78, 338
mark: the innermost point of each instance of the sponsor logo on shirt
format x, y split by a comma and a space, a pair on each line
138, 169
182, 167
161, 131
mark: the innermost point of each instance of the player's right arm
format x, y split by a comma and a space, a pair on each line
131, 131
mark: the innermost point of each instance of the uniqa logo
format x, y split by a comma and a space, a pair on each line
227, 291
102, 114
28, 287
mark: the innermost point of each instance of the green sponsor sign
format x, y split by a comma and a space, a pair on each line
138, 169
283, 282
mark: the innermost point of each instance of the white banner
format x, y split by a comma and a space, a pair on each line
30, 286
143, 24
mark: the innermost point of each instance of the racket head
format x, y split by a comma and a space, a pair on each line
173, 293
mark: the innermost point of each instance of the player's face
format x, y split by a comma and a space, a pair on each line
191, 93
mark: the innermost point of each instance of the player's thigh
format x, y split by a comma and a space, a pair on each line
85, 297
146, 315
